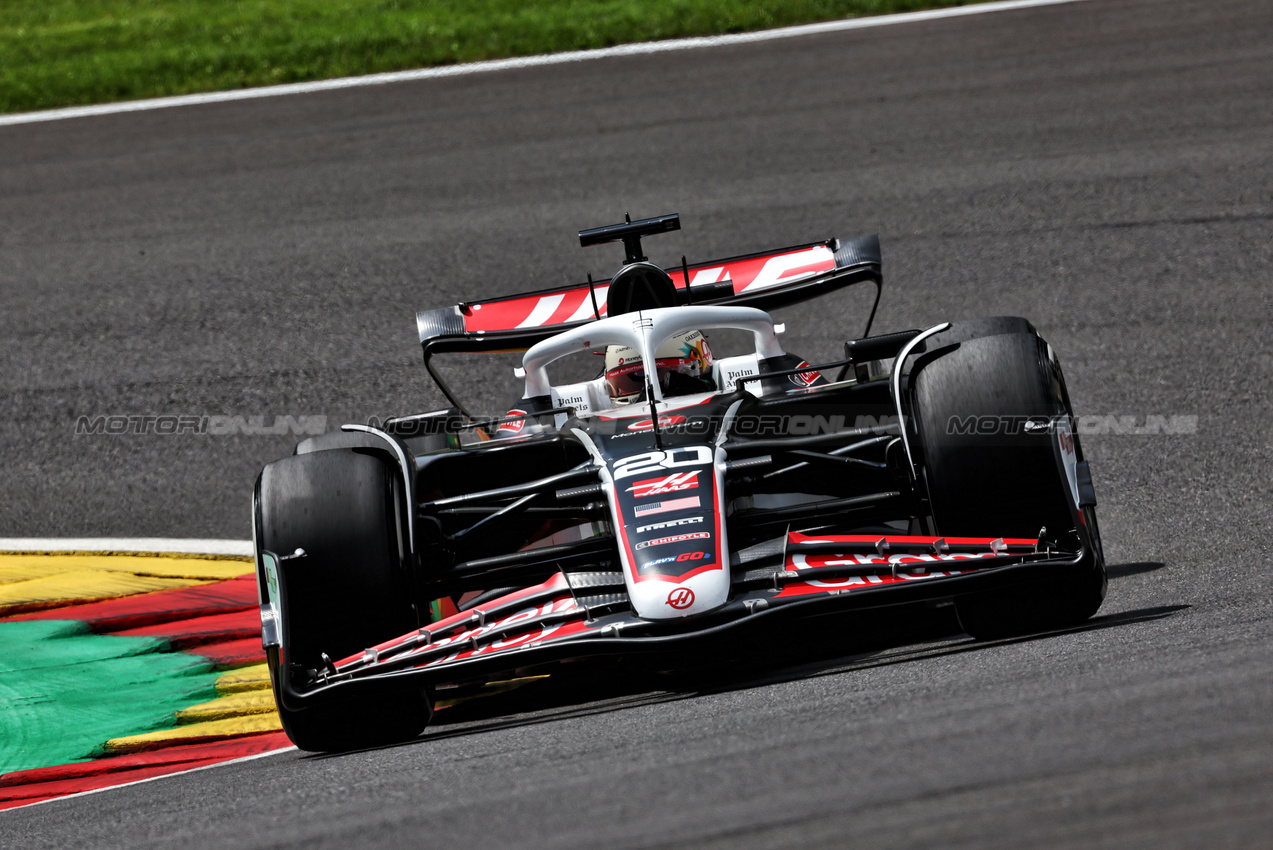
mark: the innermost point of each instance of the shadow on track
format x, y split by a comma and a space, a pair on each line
939, 649
1134, 569
828, 646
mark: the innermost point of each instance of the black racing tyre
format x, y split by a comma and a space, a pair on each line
350, 591
989, 475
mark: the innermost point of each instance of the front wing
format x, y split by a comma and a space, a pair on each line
578, 614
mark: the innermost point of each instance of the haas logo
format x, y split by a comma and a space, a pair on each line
681, 598
1067, 443
670, 484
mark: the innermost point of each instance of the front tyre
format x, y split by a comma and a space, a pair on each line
989, 475
349, 591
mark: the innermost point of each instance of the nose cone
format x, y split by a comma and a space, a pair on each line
658, 599
667, 509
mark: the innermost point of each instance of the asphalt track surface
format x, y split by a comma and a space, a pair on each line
1101, 168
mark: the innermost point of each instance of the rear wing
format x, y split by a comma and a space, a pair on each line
767, 280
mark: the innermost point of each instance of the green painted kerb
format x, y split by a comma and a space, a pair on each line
65, 691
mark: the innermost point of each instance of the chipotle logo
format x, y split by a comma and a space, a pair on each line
804, 379
675, 538
514, 426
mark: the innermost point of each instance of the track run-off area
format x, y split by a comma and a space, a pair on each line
1099, 167
124, 660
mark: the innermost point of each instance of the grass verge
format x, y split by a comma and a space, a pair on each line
71, 52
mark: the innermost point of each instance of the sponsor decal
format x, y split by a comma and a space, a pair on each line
671, 523
535, 631
651, 508
702, 427
676, 538
1067, 442
648, 424
669, 484
680, 559
916, 569
764, 272
621, 369
575, 304
648, 462
516, 425
669, 405
803, 379
850, 583
801, 562
681, 598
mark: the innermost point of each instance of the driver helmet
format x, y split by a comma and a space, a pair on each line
684, 364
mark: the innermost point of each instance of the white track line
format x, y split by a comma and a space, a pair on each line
126, 544
522, 62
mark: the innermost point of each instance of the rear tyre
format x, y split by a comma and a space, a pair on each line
988, 475
350, 591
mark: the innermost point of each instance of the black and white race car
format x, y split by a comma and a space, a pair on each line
674, 497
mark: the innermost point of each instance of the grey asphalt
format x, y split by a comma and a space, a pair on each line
1102, 168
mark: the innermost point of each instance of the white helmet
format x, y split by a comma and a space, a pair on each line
684, 365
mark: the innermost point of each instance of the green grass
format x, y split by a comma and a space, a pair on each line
69, 52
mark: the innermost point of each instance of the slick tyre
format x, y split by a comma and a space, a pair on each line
988, 476
350, 590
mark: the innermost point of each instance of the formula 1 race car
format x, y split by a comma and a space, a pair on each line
675, 497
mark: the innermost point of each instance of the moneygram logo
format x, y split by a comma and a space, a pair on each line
669, 484
648, 424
